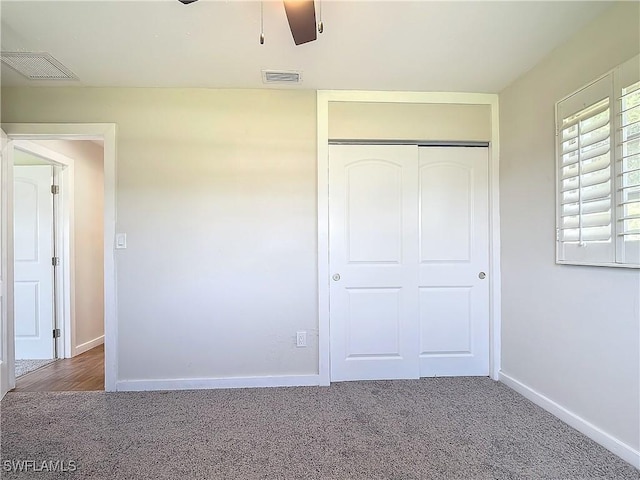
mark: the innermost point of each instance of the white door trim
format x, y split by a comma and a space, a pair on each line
6, 270
324, 97
95, 131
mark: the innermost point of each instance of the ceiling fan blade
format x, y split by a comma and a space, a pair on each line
187, 2
302, 20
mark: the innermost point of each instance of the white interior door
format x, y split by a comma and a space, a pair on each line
373, 261
454, 255
408, 240
33, 251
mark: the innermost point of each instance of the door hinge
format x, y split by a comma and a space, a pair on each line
55, 189
55, 261
56, 333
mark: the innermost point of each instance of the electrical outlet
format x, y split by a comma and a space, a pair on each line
301, 339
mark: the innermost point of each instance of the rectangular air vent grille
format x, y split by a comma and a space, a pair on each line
37, 66
278, 76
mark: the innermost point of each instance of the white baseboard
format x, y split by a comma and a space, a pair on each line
621, 449
88, 345
214, 383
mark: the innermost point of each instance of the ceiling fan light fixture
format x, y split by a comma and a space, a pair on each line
301, 15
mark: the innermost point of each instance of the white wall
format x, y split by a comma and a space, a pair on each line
216, 190
569, 333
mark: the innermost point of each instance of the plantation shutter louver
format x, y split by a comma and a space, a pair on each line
585, 193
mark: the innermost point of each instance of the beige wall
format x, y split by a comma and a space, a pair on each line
89, 241
570, 333
388, 121
216, 192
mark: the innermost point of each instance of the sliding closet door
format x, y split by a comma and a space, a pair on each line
408, 239
454, 261
373, 261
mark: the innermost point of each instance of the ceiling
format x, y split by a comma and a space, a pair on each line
366, 45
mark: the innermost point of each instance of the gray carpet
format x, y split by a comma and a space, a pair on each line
26, 366
441, 428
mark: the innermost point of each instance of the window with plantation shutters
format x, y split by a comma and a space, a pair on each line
598, 171
629, 175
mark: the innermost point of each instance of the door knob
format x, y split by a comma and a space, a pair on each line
336, 277
482, 275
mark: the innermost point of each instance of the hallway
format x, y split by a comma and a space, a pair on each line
82, 373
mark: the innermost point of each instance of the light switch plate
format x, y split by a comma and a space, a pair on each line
121, 240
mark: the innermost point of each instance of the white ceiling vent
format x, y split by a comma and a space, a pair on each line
37, 66
280, 76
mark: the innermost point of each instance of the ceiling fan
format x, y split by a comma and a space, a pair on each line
301, 15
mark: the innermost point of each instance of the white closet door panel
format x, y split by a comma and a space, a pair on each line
373, 260
454, 254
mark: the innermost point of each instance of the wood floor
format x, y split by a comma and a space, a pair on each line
82, 373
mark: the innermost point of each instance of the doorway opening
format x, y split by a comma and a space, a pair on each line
103, 135
35, 299
58, 264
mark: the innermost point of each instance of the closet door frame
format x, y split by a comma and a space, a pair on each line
323, 99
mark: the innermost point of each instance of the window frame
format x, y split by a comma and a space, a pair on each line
620, 77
